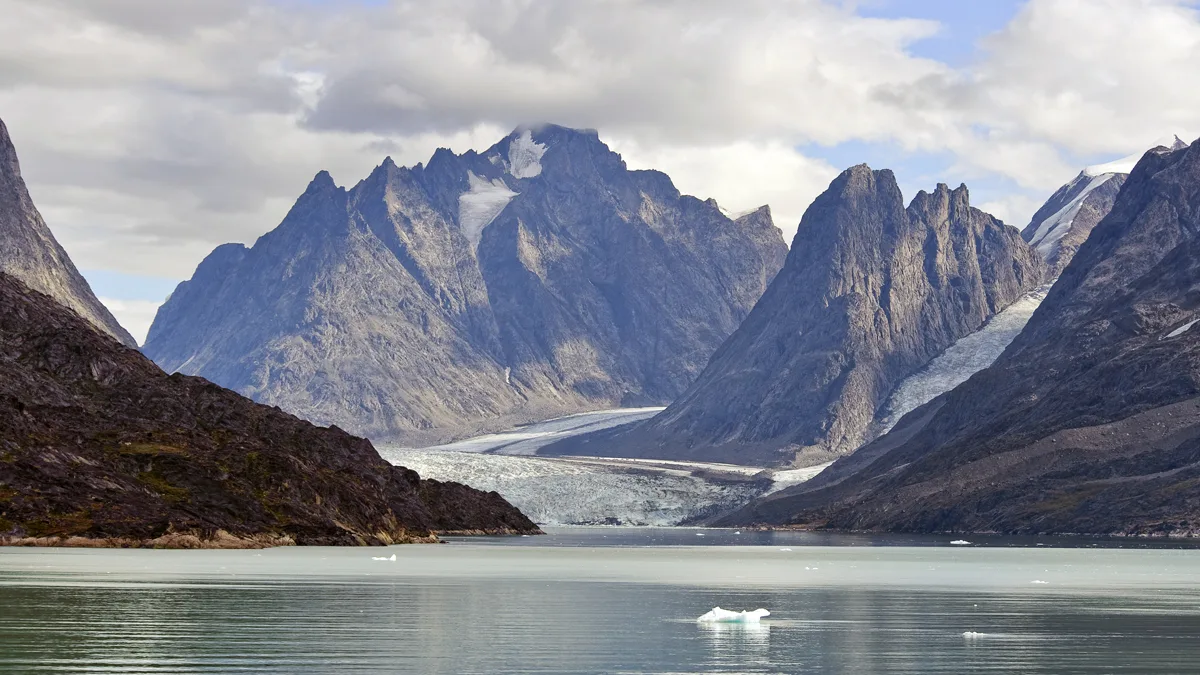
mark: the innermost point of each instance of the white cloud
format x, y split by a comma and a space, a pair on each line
151, 131
134, 316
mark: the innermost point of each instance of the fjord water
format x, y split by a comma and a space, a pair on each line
605, 600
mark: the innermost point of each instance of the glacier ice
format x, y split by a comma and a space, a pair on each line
718, 615
527, 440
960, 542
570, 491
961, 360
525, 156
593, 490
391, 559
479, 206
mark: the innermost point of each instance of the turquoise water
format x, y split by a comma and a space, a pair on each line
607, 601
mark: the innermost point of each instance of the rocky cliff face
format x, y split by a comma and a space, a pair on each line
98, 446
870, 293
29, 251
1090, 420
538, 278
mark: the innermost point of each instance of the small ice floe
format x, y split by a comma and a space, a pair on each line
718, 615
972, 635
960, 542
785, 549
738, 532
1039, 581
699, 534
391, 559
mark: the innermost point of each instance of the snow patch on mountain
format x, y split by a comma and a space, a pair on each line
1051, 230
961, 360
525, 156
528, 439
480, 205
1126, 164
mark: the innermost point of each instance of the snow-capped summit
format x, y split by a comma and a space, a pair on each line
1126, 164
1062, 224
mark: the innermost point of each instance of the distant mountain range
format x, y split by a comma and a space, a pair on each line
1088, 423
538, 278
870, 293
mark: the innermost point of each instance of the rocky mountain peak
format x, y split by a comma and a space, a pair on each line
537, 278
869, 294
29, 251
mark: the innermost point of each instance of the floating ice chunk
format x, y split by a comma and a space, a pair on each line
738, 532
525, 156
970, 635
391, 559
1039, 581
718, 615
960, 542
699, 534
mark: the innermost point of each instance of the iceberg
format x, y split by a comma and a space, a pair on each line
972, 634
391, 559
718, 615
960, 542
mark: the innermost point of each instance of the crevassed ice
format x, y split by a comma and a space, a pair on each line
962, 359
480, 204
1054, 228
563, 492
525, 156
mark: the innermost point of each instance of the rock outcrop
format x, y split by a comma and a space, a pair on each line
29, 252
870, 293
1088, 423
98, 446
539, 278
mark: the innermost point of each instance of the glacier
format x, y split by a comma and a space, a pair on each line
590, 491
525, 156
577, 490
1051, 230
480, 205
961, 360
528, 439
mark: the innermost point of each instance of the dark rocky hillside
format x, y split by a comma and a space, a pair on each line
1090, 420
98, 446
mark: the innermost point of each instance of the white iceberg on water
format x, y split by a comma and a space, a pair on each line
718, 615
960, 542
391, 559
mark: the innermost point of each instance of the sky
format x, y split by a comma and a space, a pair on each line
150, 132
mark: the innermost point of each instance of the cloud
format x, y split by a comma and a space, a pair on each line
150, 132
134, 316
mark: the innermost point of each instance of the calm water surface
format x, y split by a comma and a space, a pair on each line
608, 601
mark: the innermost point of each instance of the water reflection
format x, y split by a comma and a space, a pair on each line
741, 644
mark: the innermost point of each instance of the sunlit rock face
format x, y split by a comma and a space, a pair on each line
29, 252
538, 278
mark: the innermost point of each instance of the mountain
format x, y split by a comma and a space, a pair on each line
29, 251
869, 294
539, 278
98, 446
1088, 423
1065, 220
